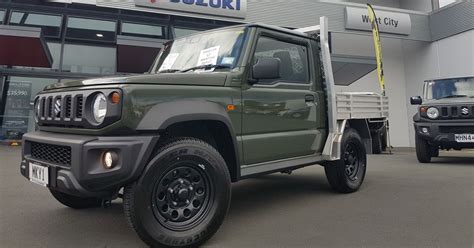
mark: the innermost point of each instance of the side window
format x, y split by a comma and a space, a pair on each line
293, 58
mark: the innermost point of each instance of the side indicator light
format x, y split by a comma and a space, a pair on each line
230, 107
114, 97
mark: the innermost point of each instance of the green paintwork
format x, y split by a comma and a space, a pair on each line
270, 123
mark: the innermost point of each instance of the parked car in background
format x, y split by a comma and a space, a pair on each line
445, 118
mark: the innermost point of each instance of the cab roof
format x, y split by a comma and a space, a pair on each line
265, 26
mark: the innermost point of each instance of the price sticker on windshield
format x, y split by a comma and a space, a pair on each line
169, 61
208, 56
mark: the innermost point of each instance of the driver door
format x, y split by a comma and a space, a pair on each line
280, 116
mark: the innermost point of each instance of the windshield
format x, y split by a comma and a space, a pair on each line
449, 88
207, 51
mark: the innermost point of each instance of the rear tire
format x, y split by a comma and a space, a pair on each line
384, 139
377, 145
182, 197
424, 150
435, 152
75, 201
347, 174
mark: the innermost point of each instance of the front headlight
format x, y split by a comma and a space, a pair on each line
36, 109
432, 113
99, 107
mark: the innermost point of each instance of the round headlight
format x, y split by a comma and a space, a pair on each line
432, 113
99, 107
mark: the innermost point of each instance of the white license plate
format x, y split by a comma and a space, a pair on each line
464, 138
39, 174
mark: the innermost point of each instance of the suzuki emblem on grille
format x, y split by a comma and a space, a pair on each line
465, 111
57, 108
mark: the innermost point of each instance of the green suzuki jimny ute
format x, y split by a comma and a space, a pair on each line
216, 107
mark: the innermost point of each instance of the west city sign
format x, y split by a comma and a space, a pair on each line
389, 22
227, 8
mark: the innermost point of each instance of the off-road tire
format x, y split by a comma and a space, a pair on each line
435, 152
384, 139
353, 155
424, 150
75, 201
147, 209
377, 142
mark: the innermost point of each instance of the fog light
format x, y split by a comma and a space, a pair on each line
425, 130
109, 159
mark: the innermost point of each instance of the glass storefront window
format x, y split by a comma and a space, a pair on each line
50, 24
2, 15
142, 30
89, 59
181, 32
55, 50
18, 115
90, 29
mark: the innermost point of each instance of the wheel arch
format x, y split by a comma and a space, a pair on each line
204, 120
362, 128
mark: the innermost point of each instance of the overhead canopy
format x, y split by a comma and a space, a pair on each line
136, 55
348, 69
23, 46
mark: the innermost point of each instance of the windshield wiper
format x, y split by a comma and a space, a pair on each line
206, 67
453, 96
169, 71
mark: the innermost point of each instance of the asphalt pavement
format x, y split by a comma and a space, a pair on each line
401, 204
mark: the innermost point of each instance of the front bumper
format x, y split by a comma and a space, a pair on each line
75, 161
443, 133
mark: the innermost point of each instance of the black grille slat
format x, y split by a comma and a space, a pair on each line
68, 107
49, 107
79, 106
51, 153
42, 107
444, 111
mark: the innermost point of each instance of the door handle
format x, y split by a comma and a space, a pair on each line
309, 98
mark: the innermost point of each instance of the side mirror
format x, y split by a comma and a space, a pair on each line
266, 68
416, 100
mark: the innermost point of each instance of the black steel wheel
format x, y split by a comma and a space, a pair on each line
347, 174
182, 197
352, 161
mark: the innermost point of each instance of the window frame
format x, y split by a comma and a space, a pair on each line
61, 24
2, 20
188, 28
287, 38
88, 44
66, 27
120, 31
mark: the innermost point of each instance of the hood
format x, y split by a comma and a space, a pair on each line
192, 78
450, 101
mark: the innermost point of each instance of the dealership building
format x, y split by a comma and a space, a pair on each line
48, 41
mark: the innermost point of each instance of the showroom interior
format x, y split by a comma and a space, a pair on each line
44, 42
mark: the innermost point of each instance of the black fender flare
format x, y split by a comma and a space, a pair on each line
165, 114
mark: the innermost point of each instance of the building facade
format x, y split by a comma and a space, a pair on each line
43, 42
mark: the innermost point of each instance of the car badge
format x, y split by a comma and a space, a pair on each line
465, 111
57, 108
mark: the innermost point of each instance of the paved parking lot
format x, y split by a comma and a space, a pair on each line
401, 204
